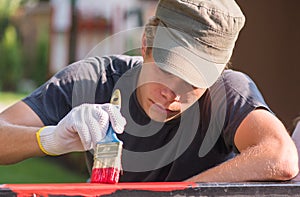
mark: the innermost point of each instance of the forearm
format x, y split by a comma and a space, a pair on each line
296, 138
254, 164
17, 143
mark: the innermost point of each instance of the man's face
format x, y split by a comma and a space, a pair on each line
164, 96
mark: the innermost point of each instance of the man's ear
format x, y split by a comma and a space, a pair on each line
144, 45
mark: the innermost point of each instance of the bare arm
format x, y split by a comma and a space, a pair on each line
18, 125
266, 153
296, 138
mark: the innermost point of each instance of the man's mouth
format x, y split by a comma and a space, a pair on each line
161, 109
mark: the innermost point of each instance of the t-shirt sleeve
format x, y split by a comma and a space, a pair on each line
87, 81
52, 101
242, 97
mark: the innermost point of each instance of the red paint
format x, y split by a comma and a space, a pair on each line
93, 189
105, 175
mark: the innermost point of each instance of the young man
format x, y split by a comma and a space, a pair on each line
184, 117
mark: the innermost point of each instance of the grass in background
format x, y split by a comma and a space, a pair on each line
36, 170
9, 98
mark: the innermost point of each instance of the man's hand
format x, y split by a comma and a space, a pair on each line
80, 129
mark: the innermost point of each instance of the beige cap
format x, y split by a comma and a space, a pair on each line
195, 38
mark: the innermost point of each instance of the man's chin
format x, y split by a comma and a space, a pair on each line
161, 118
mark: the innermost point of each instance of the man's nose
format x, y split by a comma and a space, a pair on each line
168, 94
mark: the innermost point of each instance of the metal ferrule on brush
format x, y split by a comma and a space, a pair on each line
108, 155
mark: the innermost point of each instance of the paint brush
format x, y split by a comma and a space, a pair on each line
107, 155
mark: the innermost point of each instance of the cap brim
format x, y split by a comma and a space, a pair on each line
178, 53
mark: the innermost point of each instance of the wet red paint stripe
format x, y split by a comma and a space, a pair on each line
92, 189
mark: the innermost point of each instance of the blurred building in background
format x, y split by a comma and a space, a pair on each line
78, 26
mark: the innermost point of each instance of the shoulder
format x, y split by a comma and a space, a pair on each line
114, 64
237, 95
239, 85
95, 68
236, 79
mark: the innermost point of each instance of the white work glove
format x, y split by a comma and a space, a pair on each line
80, 129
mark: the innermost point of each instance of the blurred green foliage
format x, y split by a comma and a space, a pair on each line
19, 71
10, 53
10, 59
39, 70
8, 7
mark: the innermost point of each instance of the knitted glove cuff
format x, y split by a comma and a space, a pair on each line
46, 140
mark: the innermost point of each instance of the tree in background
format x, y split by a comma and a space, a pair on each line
24, 43
10, 52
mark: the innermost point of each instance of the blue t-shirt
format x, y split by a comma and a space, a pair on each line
201, 138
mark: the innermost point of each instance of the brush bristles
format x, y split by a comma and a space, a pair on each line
107, 163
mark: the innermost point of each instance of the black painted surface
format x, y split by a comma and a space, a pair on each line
238, 189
